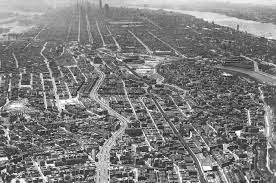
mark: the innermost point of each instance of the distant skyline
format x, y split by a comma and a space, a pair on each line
4, 4
266, 2
259, 2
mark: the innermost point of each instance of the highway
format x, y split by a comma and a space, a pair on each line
104, 154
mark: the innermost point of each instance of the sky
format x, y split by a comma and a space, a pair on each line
250, 1
266, 2
261, 2
257, 2
172, 2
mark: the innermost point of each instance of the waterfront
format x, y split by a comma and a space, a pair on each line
267, 30
14, 28
15, 23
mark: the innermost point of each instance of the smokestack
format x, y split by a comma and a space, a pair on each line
100, 4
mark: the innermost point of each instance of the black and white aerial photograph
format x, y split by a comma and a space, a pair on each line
137, 91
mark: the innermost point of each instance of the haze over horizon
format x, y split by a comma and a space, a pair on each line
178, 2
41, 5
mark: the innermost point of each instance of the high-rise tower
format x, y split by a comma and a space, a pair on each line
100, 4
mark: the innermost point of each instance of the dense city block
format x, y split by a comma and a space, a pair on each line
103, 94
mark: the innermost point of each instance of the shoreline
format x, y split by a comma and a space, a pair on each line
246, 26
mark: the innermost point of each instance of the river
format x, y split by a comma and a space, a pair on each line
14, 24
267, 30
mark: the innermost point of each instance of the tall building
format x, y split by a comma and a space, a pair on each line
100, 4
106, 10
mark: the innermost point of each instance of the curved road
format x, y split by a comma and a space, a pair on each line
104, 154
